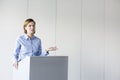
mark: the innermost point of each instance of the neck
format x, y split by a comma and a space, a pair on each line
29, 35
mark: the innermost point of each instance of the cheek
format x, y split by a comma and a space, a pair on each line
26, 28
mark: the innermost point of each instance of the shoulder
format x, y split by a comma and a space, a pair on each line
37, 37
21, 37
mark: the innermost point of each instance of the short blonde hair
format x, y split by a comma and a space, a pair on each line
27, 21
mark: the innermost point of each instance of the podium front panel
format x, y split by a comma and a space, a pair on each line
49, 68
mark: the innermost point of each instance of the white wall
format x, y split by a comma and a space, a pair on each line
93, 40
88, 31
112, 64
12, 15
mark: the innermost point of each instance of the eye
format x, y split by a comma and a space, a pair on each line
30, 25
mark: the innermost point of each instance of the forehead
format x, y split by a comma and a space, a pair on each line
31, 23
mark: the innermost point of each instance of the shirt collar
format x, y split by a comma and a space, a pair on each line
26, 37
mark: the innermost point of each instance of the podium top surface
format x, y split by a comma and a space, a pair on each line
49, 56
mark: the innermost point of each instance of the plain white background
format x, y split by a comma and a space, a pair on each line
88, 31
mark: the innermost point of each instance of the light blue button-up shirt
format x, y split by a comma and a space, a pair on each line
26, 46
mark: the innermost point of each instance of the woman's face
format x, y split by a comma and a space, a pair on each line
30, 28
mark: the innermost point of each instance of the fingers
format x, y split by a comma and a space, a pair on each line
52, 48
15, 65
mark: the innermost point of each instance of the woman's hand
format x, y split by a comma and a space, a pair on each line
52, 48
15, 64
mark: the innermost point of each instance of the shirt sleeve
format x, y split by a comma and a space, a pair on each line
16, 50
42, 53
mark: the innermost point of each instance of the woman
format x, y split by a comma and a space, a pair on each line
28, 44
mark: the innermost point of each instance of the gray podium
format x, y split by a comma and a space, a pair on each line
42, 68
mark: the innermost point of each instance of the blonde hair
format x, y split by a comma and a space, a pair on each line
27, 21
